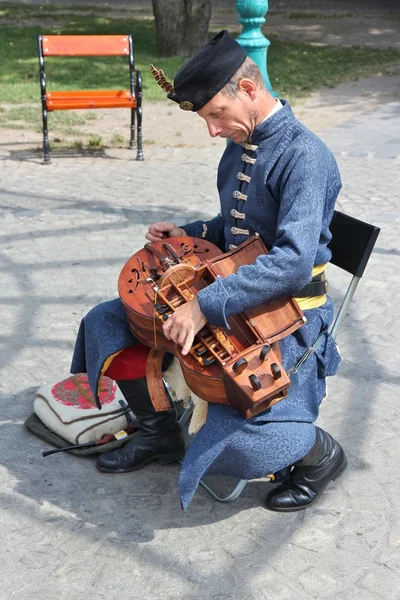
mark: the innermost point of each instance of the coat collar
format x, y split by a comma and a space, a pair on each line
273, 124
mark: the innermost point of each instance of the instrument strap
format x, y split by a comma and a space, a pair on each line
155, 382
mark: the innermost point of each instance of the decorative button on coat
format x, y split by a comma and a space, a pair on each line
238, 231
242, 177
250, 147
247, 159
239, 196
238, 215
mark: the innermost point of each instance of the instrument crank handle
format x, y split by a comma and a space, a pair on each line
172, 252
155, 252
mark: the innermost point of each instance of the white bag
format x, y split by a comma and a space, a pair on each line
68, 408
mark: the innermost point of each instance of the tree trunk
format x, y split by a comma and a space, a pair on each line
181, 25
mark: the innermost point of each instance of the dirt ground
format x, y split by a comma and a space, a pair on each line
166, 125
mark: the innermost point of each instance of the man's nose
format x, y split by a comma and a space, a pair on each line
213, 130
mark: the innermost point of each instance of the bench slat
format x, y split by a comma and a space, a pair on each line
90, 99
85, 45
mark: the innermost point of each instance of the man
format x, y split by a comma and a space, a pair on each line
278, 179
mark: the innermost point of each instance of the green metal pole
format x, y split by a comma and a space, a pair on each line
255, 44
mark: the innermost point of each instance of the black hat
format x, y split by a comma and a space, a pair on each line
205, 74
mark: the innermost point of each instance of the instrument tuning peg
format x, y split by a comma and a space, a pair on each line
265, 350
240, 365
255, 382
154, 273
276, 372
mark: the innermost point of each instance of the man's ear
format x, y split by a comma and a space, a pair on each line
248, 87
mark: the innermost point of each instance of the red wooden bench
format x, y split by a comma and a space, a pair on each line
91, 45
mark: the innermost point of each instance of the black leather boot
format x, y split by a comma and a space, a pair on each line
324, 462
159, 436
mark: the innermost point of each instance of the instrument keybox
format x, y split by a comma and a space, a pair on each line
253, 378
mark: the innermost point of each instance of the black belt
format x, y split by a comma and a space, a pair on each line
318, 286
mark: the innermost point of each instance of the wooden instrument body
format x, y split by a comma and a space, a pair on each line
240, 366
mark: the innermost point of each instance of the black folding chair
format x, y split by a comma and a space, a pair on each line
351, 246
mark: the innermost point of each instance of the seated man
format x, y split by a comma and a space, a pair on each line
277, 179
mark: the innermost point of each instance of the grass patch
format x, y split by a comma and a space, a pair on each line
78, 145
19, 74
10, 10
60, 144
299, 69
32, 114
294, 69
319, 16
95, 142
117, 139
8, 125
69, 131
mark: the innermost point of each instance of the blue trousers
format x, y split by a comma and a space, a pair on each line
229, 444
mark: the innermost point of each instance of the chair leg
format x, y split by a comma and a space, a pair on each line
46, 145
132, 140
139, 134
232, 496
239, 486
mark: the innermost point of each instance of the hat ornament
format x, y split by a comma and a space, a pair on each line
162, 81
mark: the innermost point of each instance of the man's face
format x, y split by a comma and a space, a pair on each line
232, 117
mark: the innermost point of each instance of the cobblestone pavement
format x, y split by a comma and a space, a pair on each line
69, 532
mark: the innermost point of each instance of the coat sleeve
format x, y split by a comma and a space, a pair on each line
212, 230
286, 269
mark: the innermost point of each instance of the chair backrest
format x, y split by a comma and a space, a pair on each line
85, 45
351, 246
352, 243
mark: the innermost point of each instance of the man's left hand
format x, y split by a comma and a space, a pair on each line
184, 323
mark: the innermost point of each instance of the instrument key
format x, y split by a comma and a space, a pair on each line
255, 382
265, 350
276, 372
240, 365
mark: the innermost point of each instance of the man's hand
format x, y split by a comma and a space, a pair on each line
158, 229
184, 323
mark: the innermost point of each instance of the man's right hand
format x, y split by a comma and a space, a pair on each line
157, 230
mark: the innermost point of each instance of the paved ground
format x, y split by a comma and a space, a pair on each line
68, 531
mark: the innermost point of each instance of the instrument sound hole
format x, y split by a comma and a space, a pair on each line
197, 250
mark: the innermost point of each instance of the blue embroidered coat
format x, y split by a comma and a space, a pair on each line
283, 186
